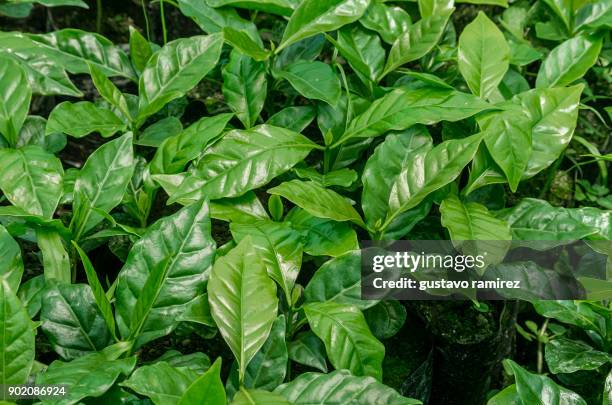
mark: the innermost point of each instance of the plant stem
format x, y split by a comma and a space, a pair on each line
162, 15
540, 346
146, 18
99, 16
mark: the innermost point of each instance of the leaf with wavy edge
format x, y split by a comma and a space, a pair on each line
15, 95
243, 302
82, 118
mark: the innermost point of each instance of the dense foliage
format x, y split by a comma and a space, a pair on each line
181, 211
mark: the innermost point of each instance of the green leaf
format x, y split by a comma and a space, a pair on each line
293, 118
564, 10
161, 382
338, 281
532, 388
56, 261
574, 313
417, 41
175, 69
212, 20
483, 55
362, 50
33, 133
280, 7
31, 179
98, 292
316, 16
316, 388
242, 42
258, 397
342, 178
472, 221
594, 15
164, 271
140, 49
88, 376
279, 248
16, 339
83, 118
318, 201
243, 302
309, 350
268, 368
569, 61
72, 49
323, 237
509, 142
175, 152
534, 219
72, 321
15, 95
386, 318
245, 209
109, 91
568, 356
243, 161
607, 394
314, 80
101, 183
403, 108
349, 343
388, 21
431, 7
155, 134
385, 169
11, 266
206, 389
30, 294
245, 87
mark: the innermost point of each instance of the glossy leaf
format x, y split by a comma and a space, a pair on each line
243, 302
483, 55
164, 271
161, 382
83, 118
33, 133
532, 387
280, 7
242, 161
386, 318
140, 49
568, 356
15, 95
317, 200
278, 246
242, 42
315, 16
175, 69
16, 339
322, 237
101, 183
417, 41
89, 376
402, 108
349, 343
56, 261
388, 21
258, 397
293, 118
31, 179
207, 388
109, 91
472, 221
338, 281
569, 61
11, 266
309, 350
245, 87
362, 50
313, 80
72, 321
341, 387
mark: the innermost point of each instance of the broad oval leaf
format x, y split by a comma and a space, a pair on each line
339, 281
83, 118
15, 95
175, 69
72, 321
208, 388
101, 183
11, 265
340, 387
280, 7
472, 221
165, 270
315, 16
388, 21
569, 61
568, 356
258, 397
242, 161
279, 248
163, 383
16, 339
314, 80
245, 87
318, 200
243, 302
483, 55
349, 343
309, 350
386, 318
32, 179
362, 50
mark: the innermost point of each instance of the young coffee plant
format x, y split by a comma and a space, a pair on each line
183, 200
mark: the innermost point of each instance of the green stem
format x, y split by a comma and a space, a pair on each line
99, 16
551, 176
162, 15
146, 18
